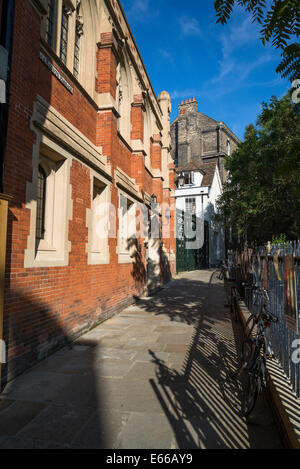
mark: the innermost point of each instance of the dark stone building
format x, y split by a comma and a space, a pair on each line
199, 138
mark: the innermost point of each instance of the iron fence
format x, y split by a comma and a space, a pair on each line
283, 339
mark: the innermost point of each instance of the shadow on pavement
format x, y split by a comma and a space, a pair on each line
201, 402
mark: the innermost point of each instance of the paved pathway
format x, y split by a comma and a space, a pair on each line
155, 376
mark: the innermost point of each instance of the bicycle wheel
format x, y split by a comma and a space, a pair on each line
247, 350
214, 276
251, 393
249, 327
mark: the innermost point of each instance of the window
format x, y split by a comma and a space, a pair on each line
63, 30
190, 205
188, 178
64, 34
76, 54
41, 204
228, 148
51, 208
98, 223
78, 34
123, 99
50, 22
127, 228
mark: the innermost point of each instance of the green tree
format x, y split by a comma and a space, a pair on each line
262, 196
280, 23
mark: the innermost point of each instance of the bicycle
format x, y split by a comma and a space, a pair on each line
219, 273
253, 320
254, 366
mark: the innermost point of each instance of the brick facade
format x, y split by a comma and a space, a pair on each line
47, 306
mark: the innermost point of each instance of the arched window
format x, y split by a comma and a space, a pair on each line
124, 98
228, 148
41, 204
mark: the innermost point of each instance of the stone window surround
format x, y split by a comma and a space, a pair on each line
51, 128
124, 95
125, 256
53, 251
98, 257
127, 187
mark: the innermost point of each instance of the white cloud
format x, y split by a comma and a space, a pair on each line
189, 26
235, 64
140, 10
212, 92
167, 55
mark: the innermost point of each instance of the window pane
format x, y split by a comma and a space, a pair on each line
40, 204
50, 21
64, 35
76, 55
190, 205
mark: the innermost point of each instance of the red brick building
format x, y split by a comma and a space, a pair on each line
85, 131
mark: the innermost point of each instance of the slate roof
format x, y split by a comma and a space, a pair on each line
190, 166
207, 169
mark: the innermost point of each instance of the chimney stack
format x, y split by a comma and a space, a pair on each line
190, 105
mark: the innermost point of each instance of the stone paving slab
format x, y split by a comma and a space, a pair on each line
161, 438
18, 414
37, 386
57, 424
126, 395
102, 431
155, 376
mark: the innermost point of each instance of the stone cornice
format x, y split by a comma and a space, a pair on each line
46, 118
124, 182
110, 40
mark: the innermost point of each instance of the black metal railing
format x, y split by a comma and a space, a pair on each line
284, 341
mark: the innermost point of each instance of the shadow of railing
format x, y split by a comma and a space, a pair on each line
199, 398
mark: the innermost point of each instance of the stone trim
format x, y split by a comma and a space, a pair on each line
111, 41
97, 258
49, 255
125, 256
47, 119
127, 184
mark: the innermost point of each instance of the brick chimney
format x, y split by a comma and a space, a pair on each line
189, 105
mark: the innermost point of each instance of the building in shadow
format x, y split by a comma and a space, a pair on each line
86, 153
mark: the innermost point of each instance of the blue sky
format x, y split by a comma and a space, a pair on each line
226, 68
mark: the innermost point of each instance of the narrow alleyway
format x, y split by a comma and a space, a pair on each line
155, 376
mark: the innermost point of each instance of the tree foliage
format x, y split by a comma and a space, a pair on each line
262, 196
280, 24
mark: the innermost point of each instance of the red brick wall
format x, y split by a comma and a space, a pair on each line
137, 122
156, 152
106, 66
45, 307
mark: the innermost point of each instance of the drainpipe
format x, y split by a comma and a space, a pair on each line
6, 40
